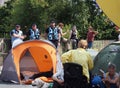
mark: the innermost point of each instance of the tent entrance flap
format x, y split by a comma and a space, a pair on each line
27, 63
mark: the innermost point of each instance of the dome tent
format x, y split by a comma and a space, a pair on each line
109, 54
32, 55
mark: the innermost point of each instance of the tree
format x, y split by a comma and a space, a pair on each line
100, 22
81, 13
5, 16
27, 12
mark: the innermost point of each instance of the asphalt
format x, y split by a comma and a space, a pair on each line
12, 85
8, 85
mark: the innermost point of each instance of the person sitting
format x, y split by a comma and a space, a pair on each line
112, 77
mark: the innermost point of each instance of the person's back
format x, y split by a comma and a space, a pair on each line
81, 57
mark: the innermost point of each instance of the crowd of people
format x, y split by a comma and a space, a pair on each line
54, 34
77, 54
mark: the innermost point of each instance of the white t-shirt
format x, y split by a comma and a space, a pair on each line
15, 40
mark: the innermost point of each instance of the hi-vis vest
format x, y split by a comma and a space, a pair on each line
53, 33
34, 34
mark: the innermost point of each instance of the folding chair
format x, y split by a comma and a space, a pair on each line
73, 76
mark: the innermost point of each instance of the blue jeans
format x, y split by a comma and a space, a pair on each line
90, 43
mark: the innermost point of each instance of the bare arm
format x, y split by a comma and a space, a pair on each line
95, 32
114, 81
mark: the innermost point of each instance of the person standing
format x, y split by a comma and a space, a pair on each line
16, 36
53, 34
90, 36
34, 33
63, 40
73, 37
80, 56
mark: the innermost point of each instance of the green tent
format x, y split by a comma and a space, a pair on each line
110, 54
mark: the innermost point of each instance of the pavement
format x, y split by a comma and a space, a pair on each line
8, 85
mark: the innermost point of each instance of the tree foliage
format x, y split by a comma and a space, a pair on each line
81, 13
5, 15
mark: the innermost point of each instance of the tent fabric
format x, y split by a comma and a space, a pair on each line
9, 71
41, 54
109, 54
111, 9
27, 63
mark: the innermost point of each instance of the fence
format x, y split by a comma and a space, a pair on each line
5, 44
100, 44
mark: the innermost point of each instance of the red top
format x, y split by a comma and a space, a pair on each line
90, 36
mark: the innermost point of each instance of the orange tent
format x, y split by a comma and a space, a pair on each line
33, 55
